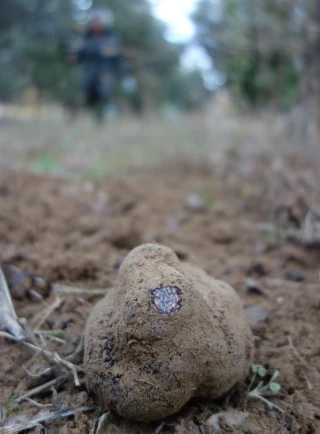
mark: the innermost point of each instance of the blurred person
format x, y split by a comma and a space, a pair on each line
104, 63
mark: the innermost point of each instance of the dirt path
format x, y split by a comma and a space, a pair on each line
78, 234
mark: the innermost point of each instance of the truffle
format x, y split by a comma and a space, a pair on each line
166, 333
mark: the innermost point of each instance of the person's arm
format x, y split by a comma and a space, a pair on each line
77, 50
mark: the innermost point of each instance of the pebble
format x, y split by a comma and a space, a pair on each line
255, 287
195, 202
256, 314
19, 282
294, 276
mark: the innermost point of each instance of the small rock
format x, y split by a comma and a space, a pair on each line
7, 380
82, 397
195, 202
113, 430
295, 255
294, 276
19, 282
280, 300
41, 286
88, 187
223, 234
260, 249
258, 268
256, 314
233, 418
234, 266
172, 224
255, 287
117, 264
39, 282
35, 296
127, 207
100, 204
61, 401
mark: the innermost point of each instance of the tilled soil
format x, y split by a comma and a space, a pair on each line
239, 222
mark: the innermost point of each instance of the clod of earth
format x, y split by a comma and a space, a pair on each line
166, 333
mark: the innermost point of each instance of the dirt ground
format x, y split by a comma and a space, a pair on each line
238, 222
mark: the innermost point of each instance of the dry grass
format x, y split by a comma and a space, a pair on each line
50, 143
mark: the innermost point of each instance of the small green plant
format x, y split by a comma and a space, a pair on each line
210, 203
262, 389
47, 164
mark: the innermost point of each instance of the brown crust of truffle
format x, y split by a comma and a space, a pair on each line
146, 363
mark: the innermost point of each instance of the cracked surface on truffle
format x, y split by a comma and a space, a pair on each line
167, 300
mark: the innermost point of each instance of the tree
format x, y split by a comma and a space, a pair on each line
311, 91
35, 35
256, 43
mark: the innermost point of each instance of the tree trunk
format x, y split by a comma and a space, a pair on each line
313, 79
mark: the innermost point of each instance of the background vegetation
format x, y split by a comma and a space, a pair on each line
267, 51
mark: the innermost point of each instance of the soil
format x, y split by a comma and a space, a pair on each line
78, 233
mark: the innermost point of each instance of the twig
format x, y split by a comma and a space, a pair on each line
271, 405
280, 282
54, 357
72, 290
37, 404
40, 389
11, 429
17, 334
160, 428
141, 380
98, 424
47, 312
8, 317
294, 349
35, 295
70, 366
307, 381
278, 395
3, 415
311, 229
54, 394
52, 333
202, 429
70, 358
300, 359
78, 351
49, 335
252, 381
35, 376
